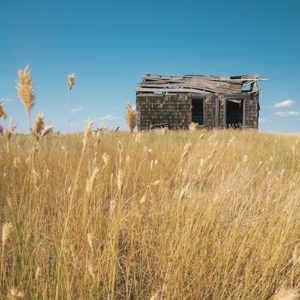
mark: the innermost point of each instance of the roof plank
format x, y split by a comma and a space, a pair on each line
196, 83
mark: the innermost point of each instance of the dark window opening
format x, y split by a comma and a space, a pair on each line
234, 113
197, 111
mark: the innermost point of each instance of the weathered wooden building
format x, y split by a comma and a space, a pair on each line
209, 101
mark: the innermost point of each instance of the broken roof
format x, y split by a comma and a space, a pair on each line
158, 83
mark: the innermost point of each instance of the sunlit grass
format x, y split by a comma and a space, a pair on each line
183, 215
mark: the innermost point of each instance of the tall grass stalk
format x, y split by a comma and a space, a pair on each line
70, 84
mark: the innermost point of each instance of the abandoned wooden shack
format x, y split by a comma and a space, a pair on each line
210, 101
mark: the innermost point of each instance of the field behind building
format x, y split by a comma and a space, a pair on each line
183, 215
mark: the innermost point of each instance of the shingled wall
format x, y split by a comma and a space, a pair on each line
251, 111
209, 111
172, 110
175, 111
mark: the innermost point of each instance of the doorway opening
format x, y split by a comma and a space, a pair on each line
197, 111
234, 113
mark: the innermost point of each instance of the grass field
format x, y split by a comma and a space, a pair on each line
201, 215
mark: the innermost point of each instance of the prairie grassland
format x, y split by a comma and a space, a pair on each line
202, 215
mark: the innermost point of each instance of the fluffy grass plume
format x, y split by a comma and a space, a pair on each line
14, 294
287, 294
193, 127
39, 129
47, 130
6, 232
71, 81
131, 117
187, 215
25, 90
11, 129
3, 114
39, 125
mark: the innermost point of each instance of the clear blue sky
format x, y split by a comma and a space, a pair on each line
110, 44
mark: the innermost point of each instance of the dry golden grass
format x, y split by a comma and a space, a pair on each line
3, 114
131, 118
195, 215
39, 130
193, 127
47, 130
11, 129
25, 90
71, 81
39, 125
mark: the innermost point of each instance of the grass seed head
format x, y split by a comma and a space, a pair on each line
71, 81
131, 118
90, 238
3, 114
14, 294
47, 130
193, 127
155, 296
25, 88
7, 229
286, 294
105, 158
17, 162
87, 133
186, 150
11, 129
143, 199
38, 273
39, 125
156, 182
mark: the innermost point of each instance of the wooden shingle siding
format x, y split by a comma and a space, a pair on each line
251, 114
174, 110
221, 112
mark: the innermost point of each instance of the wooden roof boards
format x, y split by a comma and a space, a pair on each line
159, 83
